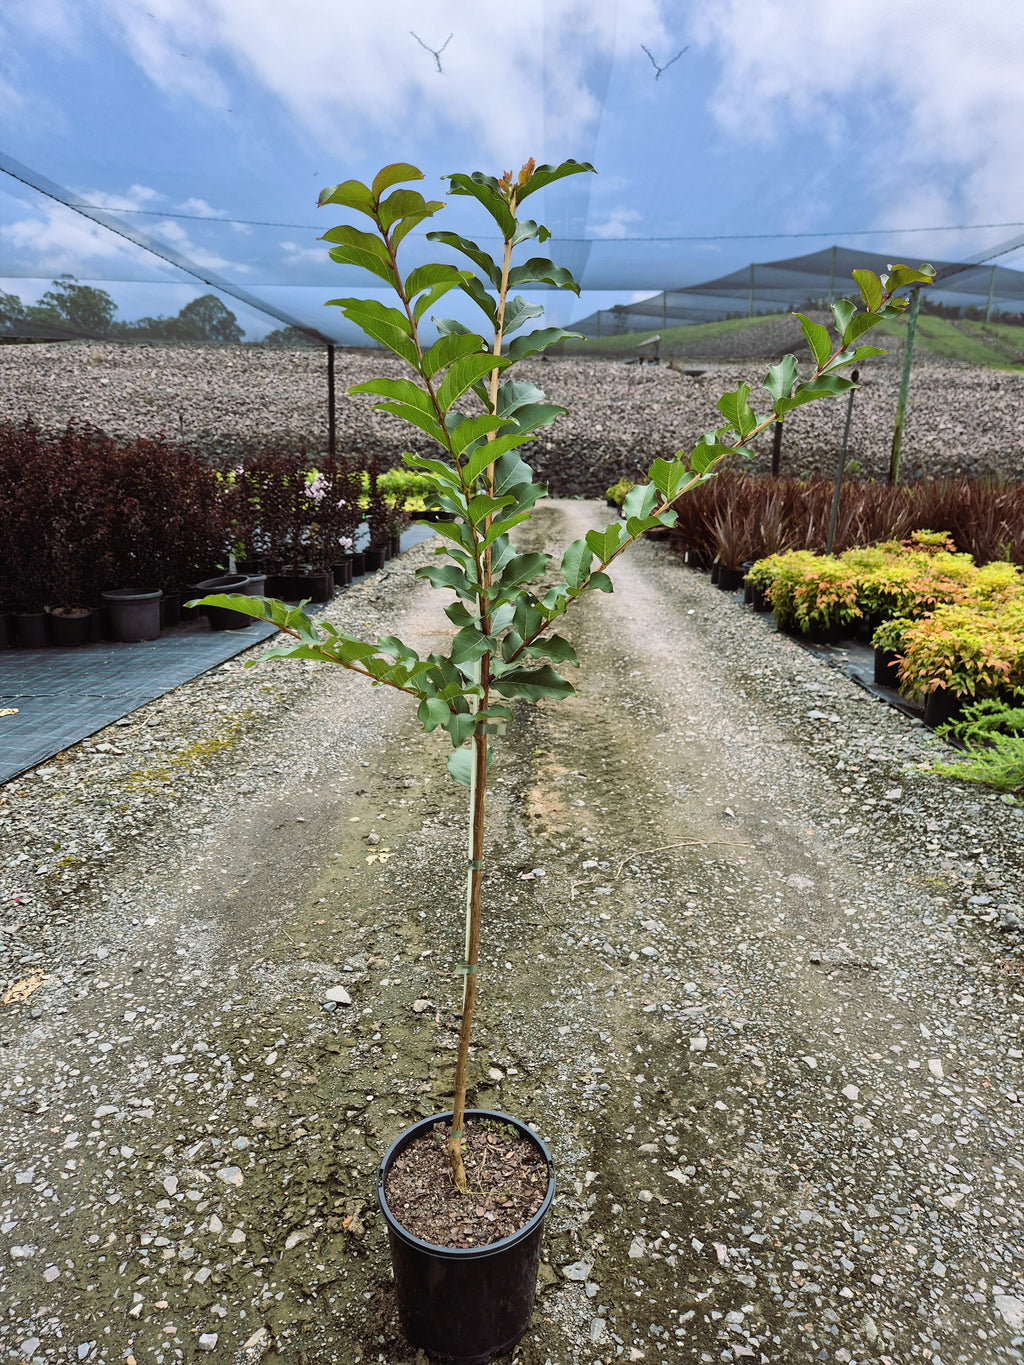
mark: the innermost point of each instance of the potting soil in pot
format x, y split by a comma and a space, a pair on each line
507, 1182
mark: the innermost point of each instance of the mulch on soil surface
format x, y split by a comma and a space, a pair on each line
506, 1177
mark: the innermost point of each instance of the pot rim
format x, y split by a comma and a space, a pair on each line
462, 1253
130, 595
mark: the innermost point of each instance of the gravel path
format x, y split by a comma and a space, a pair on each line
961, 419
748, 968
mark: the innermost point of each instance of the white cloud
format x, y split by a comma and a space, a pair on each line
303, 255
201, 209
170, 231
516, 78
137, 197
55, 240
616, 224
952, 75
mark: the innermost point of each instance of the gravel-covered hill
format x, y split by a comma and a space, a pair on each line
960, 419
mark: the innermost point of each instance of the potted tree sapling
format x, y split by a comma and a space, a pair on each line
468, 1296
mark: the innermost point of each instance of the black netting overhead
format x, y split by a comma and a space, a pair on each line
813, 279
160, 163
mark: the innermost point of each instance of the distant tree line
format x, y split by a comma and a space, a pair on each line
70, 309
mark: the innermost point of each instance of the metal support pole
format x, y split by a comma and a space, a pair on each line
991, 291
750, 302
901, 403
832, 278
332, 436
834, 516
776, 449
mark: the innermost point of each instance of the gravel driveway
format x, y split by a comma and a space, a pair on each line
750, 970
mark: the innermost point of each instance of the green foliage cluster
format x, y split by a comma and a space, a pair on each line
993, 734
506, 647
618, 491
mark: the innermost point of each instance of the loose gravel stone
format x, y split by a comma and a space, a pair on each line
863, 1210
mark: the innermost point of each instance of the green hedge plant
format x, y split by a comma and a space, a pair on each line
463, 393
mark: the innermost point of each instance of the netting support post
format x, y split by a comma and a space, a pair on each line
776, 449
991, 291
332, 430
750, 300
901, 402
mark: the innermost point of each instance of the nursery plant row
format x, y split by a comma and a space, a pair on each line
83, 514
738, 518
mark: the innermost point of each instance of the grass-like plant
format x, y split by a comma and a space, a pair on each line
462, 394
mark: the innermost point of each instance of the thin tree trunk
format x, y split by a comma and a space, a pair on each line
477, 796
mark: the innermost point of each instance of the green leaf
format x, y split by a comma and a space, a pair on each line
900, 275
416, 417
515, 394
466, 430
862, 323
534, 342
640, 501
527, 230
351, 194
449, 327
465, 372
483, 505
547, 175
475, 253
605, 543
552, 647
706, 454
870, 287
394, 175
481, 298
541, 271
576, 563
386, 325
532, 684
510, 471
460, 765
533, 416
817, 338
407, 207
781, 377
518, 311
523, 568
823, 386
485, 189
737, 411
449, 576
600, 582
469, 645
844, 312
432, 713
427, 276
401, 391
437, 468
668, 476
263, 609
447, 349
361, 249
488, 452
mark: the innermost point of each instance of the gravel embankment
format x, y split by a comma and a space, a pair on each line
750, 968
960, 419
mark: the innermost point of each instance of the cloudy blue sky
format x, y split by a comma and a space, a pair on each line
782, 127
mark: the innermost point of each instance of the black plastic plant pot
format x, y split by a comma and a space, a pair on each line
730, 579
134, 615
223, 618
465, 1306
374, 559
